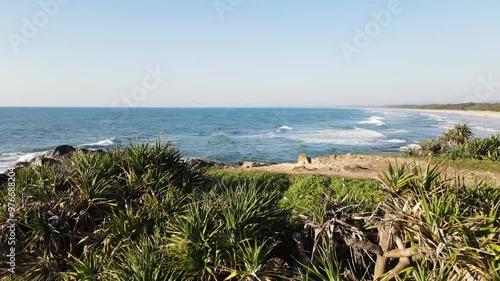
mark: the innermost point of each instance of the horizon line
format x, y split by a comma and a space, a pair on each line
201, 107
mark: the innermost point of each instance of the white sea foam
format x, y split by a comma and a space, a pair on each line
356, 136
395, 141
374, 120
435, 117
8, 160
447, 125
489, 130
29, 156
389, 112
271, 135
399, 131
410, 146
219, 135
103, 143
395, 113
285, 128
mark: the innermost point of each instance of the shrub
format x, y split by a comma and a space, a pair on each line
459, 143
225, 232
91, 203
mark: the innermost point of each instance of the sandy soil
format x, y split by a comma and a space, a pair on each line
472, 113
363, 167
369, 166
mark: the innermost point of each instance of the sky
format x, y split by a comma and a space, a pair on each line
248, 53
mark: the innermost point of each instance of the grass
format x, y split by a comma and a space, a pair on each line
302, 193
142, 213
468, 164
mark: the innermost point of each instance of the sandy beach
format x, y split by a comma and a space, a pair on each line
472, 113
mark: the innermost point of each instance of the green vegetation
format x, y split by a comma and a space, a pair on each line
468, 164
304, 193
459, 143
460, 106
143, 213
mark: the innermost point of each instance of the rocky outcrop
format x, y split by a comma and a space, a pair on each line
256, 164
201, 163
4, 179
20, 165
61, 151
195, 162
304, 159
50, 158
55, 156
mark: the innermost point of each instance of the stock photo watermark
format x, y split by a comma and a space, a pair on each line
138, 94
363, 37
485, 91
222, 7
31, 27
11, 223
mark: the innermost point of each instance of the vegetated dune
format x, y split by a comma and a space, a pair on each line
361, 166
488, 114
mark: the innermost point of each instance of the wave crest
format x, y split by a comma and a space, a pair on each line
354, 137
102, 143
374, 120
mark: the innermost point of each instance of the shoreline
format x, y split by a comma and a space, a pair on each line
365, 166
350, 166
470, 113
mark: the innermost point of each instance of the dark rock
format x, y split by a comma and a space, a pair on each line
83, 150
37, 161
4, 179
200, 163
87, 151
50, 161
42, 160
55, 156
20, 165
61, 151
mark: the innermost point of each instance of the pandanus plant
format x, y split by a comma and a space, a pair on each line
427, 227
429, 224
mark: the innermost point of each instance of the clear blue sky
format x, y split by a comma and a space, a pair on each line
263, 53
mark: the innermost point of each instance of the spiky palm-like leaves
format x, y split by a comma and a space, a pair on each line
210, 240
434, 226
459, 135
66, 212
326, 269
142, 213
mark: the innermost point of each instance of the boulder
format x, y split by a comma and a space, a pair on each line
87, 151
4, 179
199, 163
42, 160
61, 151
304, 159
20, 165
50, 161
55, 156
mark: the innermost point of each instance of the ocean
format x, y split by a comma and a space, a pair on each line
226, 134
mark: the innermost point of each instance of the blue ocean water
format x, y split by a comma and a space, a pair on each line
225, 134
